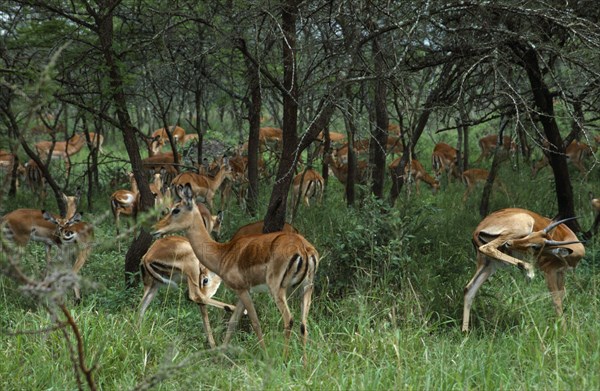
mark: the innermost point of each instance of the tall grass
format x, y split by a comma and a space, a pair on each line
385, 315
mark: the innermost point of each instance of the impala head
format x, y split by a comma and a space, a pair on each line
541, 241
179, 217
63, 225
209, 282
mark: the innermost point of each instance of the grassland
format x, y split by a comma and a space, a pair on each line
385, 315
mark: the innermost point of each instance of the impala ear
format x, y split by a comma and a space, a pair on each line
187, 195
75, 219
48, 217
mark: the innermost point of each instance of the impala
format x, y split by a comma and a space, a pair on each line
519, 231
279, 260
359, 146
415, 170
444, 159
122, 202
35, 180
190, 138
474, 176
172, 258
177, 133
487, 144
7, 160
61, 149
335, 137
306, 185
340, 170
163, 163
269, 135
576, 153
595, 203
256, 228
95, 142
203, 185
75, 238
394, 129
23, 225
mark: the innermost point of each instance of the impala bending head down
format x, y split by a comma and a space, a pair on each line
514, 230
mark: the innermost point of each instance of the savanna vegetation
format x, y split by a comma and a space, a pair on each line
394, 261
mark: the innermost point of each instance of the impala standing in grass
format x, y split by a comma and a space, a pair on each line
280, 260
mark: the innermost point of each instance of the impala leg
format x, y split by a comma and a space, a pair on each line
193, 276
81, 258
150, 290
207, 328
306, 301
233, 322
246, 300
280, 297
491, 250
485, 268
555, 279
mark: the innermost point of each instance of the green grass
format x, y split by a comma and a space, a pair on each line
386, 312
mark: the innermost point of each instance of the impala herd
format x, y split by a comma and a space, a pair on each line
285, 260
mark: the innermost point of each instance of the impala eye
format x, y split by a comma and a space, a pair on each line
205, 281
175, 211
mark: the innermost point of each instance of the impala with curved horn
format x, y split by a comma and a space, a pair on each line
514, 230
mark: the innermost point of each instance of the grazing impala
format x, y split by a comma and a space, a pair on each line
576, 153
306, 185
508, 231
62, 149
474, 176
487, 144
279, 260
203, 185
444, 159
416, 171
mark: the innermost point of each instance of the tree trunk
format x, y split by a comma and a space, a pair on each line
275, 217
378, 144
254, 106
556, 156
141, 244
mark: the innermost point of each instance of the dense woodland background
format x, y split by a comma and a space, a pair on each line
389, 290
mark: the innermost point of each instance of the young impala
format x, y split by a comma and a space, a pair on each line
520, 231
280, 261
